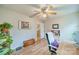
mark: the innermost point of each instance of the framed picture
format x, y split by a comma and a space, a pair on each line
24, 25
55, 26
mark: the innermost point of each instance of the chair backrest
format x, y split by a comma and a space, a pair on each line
50, 37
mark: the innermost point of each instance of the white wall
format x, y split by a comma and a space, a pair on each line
67, 24
77, 14
18, 36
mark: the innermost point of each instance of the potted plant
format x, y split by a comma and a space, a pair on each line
5, 38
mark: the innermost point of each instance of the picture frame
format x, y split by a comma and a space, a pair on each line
24, 24
55, 26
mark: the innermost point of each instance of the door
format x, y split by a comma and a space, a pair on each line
38, 33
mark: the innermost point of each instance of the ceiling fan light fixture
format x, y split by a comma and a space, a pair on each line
44, 15
44, 11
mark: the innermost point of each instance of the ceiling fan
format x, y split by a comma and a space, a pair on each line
45, 11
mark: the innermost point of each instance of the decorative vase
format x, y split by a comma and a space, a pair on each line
5, 30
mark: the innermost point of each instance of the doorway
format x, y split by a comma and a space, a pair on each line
38, 33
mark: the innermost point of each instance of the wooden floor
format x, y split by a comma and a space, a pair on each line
42, 49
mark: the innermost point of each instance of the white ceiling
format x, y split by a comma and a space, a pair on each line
28, 9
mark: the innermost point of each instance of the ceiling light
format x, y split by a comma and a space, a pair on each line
44, 15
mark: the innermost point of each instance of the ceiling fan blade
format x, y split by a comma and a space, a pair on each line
35, 14
37, 10
50, 7
51, 12
54, 13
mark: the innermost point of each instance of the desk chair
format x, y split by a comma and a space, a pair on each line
52, 43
